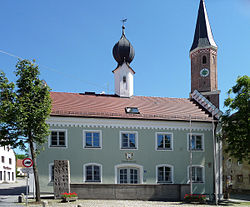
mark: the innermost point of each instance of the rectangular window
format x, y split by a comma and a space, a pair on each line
164, 141
123, 176
128, 175
196, 142
8, 175
10, 161
92, 139
92, 173
58, 139
1, 175
239, 178
164, 174
128, 140
197, 174
2, 159
12, 176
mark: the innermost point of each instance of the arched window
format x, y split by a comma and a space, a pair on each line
204, 59
128, 174
51, 172
197, 174
92, 172
164, 173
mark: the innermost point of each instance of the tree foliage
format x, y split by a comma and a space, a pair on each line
236, 120
21, 156
24, 108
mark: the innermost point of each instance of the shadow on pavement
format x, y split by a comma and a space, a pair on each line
13, 191
245, 197
228, 203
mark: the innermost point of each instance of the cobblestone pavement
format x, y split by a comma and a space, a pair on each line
129, 203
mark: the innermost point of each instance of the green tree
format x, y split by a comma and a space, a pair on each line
236, 120
21, 156
24, 108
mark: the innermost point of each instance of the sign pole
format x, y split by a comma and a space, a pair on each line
27, 184
27, 162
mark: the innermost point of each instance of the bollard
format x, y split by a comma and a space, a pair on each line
45, 203
23, 196
20, 199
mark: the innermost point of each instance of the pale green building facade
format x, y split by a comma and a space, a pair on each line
146, 157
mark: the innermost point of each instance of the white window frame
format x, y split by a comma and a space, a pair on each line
139, 167
50, 172
203, 174
92, 131
85, 173
66, 139
202, 142
171, 141
136, 139
172, 173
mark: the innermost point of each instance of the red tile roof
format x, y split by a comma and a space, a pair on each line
108, 106
19, 163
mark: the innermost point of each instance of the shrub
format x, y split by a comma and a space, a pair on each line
68, 195
195, 198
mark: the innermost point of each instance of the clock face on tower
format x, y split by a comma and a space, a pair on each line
204, 72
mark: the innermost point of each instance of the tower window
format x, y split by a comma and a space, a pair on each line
213, 60
124, 79
204, 59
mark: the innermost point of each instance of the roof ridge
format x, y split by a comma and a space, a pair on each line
160, 97
113, 95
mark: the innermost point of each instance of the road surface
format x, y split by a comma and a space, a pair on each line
9, 192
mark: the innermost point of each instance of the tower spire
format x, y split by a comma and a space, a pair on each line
203, 36
203, 55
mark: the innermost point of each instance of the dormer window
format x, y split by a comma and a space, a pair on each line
132, 110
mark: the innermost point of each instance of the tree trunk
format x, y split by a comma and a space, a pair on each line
37, 186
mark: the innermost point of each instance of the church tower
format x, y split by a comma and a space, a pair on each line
124, 53
203, 55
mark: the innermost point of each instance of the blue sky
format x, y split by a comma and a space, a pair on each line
72, 42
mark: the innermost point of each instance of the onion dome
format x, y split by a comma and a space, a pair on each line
123, 51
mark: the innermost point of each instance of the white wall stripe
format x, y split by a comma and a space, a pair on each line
127, 124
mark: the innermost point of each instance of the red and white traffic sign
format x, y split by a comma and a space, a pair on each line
27, 162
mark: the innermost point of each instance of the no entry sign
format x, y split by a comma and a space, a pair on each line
27, 162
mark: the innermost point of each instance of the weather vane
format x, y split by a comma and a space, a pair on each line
123, 21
